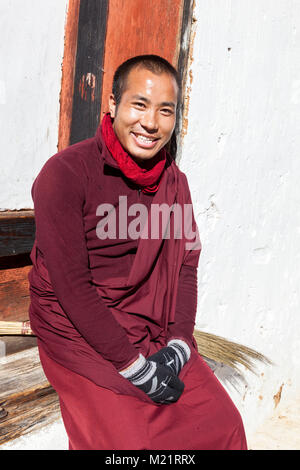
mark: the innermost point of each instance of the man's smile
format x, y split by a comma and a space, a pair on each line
143, 140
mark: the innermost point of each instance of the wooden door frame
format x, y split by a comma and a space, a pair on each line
84, 92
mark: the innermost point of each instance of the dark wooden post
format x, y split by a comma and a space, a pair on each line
88, 69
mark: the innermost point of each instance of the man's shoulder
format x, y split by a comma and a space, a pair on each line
77, 159
70, 168
77, 154
181, 176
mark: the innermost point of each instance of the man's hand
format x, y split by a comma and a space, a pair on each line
156, 380
174, 356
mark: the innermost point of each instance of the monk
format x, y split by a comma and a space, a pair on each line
114, 281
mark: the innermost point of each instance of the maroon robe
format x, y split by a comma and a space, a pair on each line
96, 304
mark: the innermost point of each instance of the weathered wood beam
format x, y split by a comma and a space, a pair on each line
19, 372
68, 73
17, 232
17, 235
88, 69
28, 411
27, 400
14, 294
13, 344
183, 58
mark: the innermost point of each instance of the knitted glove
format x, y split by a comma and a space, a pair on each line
174, 356
155, 380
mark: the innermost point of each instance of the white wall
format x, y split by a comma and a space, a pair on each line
31, 50
241, 156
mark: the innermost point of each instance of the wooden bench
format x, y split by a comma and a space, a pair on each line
27, 401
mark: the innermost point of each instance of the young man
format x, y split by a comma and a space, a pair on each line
113, 294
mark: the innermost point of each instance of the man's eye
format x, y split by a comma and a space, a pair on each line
139, 104
167, 111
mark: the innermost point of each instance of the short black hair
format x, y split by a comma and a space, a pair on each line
154, 63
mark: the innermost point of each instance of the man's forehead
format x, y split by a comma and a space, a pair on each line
140, 78
141, 97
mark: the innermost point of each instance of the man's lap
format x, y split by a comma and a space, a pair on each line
97, 418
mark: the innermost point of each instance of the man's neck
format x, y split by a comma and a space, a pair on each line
146, 164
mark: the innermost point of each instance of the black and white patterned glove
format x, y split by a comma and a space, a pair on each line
157, 381
174, 356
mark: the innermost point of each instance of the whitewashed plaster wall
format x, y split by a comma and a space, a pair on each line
241, 156
31, 51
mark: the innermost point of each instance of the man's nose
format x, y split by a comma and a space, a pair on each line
149, 121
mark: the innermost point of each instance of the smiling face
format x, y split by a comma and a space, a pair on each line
145, 118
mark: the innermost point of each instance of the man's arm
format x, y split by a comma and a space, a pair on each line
186, 306
179, 338
187, 291
58, 195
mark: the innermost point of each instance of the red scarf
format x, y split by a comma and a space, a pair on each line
148, 179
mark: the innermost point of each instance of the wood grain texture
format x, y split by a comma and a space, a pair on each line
14, 294
88, 69
17, 232
20, 371
27, 412
133, 29
14, 344
27, 400
68, 72
182, 65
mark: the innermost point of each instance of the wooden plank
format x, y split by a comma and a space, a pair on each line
28, 412
17, 232
187, 18
182, 65
14, 294
19, 372
133, 29
27, 400
68, 73
13, 344
17, 235
16, 261
88, 69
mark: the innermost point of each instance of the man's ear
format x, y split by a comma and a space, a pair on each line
112, 105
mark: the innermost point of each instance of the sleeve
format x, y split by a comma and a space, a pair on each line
187, 291
58, 194
186, 306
